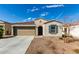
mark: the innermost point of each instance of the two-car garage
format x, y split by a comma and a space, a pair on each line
24, 30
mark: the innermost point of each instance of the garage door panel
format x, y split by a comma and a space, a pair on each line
23, 32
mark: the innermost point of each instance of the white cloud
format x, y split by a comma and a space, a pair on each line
53, 6
44, 14
34, 9
29, 19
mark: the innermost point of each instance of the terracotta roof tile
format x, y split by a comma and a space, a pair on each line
28, 23
75, 23
52, 21
71, 24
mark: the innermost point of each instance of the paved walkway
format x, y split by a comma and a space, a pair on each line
15, 45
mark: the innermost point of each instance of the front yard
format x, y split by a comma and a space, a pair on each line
53, 45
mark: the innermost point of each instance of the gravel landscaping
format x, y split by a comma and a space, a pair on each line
53, 45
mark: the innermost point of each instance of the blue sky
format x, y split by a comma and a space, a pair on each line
29, 12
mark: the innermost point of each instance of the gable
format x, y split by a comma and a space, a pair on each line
40, 21
53, 23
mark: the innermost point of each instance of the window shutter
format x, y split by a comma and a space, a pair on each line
50, 29
56, 29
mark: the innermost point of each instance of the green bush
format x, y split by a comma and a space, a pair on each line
1, 33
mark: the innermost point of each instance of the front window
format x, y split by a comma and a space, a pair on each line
53, 29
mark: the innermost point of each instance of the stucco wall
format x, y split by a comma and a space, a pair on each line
46, 29
7, 28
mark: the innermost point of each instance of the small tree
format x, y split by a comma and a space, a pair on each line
1, 32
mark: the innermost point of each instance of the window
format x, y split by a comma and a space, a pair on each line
53, 29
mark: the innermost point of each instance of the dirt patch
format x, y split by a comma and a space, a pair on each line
52, 45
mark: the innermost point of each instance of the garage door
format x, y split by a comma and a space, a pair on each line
23, 31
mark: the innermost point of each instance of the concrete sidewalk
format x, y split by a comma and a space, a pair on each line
15, 45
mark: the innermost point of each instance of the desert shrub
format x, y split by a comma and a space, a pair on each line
61, 38
68, 40
1, 32
76, 50
64, 36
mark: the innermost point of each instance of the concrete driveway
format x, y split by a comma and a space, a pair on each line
15, 45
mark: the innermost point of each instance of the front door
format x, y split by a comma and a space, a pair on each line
40, 30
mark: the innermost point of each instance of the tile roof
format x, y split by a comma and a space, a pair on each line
75, 23
52, 21
27, 23
71, 24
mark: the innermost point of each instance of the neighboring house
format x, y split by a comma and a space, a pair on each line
74, 29
6, 26
71, 29
38, 27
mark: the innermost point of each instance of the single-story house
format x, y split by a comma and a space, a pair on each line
38, 27
6, 26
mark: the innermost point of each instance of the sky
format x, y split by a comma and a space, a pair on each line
29, 12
